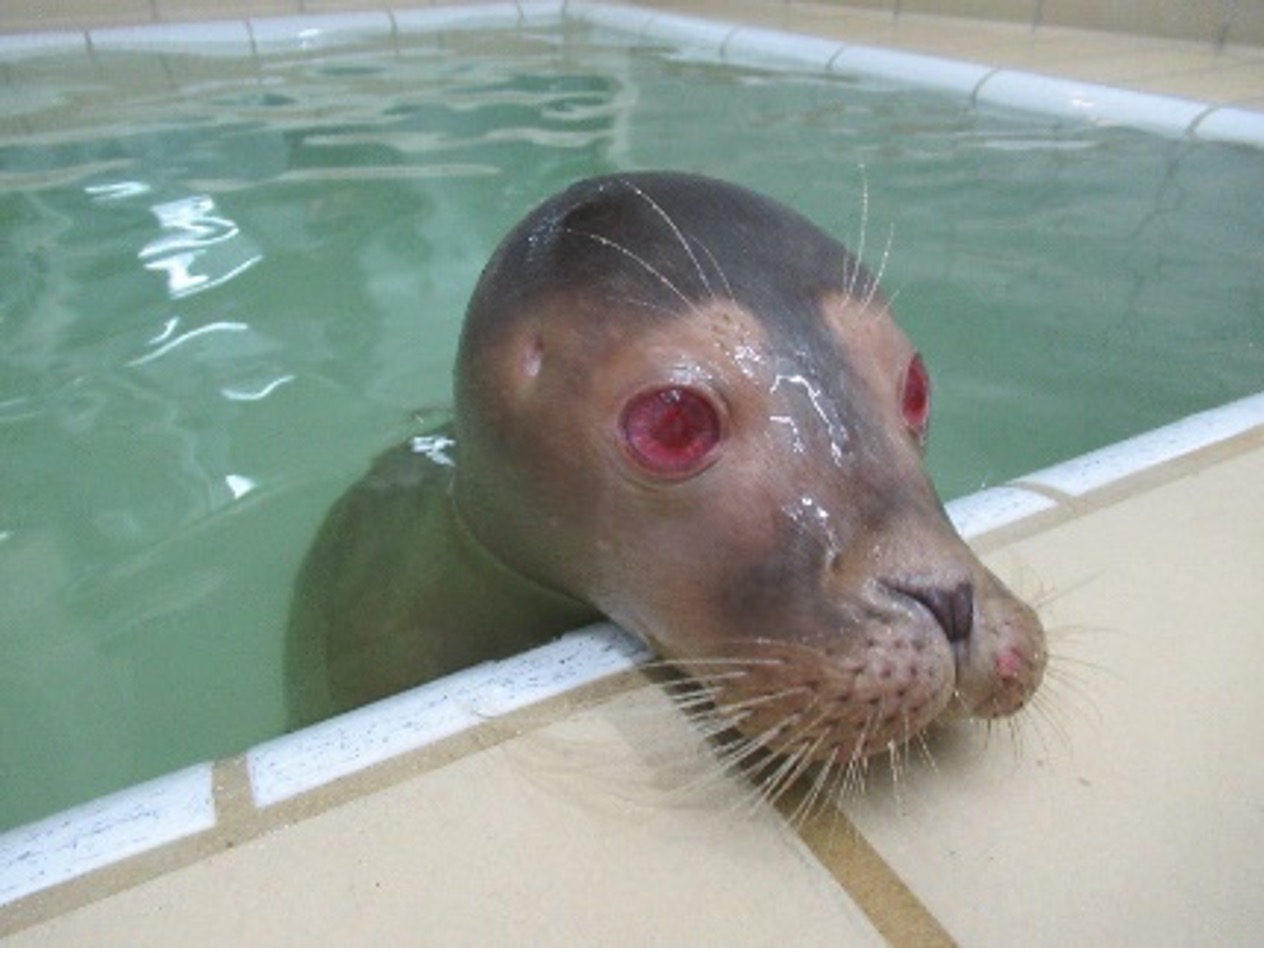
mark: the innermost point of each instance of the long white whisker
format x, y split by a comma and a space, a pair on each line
729, 291
801, 762
876, 279
680, 237
651, 269
808, 805
850, 284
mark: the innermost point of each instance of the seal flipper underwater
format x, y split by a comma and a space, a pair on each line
682, 406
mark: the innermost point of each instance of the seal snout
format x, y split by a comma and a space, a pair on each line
953, 607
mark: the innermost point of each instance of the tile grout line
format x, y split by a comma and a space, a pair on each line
893, 908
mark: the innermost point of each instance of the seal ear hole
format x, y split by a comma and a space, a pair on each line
671, 432
915, 400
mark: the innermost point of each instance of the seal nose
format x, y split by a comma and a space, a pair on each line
953, 608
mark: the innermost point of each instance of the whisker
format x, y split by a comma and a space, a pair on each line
763, 792
724, 279
895, 767
681, 663
802, 761
925, 750
641, 304
750, 704
876, 279
680, 237
775, 784
623, 250
808, 805
850, 280
1046, 597
853, 777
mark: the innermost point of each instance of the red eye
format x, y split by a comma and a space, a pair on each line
670, 431
915, 401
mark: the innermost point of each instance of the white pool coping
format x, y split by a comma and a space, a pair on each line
104, 831
314, 756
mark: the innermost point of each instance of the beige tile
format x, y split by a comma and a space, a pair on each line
1197, 20
37, 15
578, 836
1241, 89
194, 10
1132, 812
1009, 11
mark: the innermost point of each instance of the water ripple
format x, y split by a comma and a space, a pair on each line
216, 327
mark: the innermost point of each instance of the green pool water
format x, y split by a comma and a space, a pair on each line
225, 285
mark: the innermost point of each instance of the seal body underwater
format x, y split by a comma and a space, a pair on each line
682, 406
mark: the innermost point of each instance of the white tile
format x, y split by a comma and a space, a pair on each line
751, 45
541, 11
994, 508
105, 831
696, 35
1242, 126
481, 15
229, 37
315, 32
632, 20
287, 766
1100, 467
18, 45
911, 68
1090, 102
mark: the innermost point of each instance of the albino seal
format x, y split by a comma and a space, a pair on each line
682, 406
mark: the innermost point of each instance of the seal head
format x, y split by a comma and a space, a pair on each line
685, 405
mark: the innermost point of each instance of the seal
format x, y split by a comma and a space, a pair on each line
682, 406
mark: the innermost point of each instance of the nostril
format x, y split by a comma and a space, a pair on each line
953, 608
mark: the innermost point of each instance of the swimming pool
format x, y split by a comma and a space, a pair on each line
231, 275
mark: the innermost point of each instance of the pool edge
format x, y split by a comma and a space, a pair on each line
731, 41
41, 856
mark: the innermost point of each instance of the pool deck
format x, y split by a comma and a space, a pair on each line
1125, 808
1230, 76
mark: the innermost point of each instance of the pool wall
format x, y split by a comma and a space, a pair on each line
1172, 116
1214, 22
188, 803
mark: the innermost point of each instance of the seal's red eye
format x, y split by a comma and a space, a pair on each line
670, 431
915, 401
